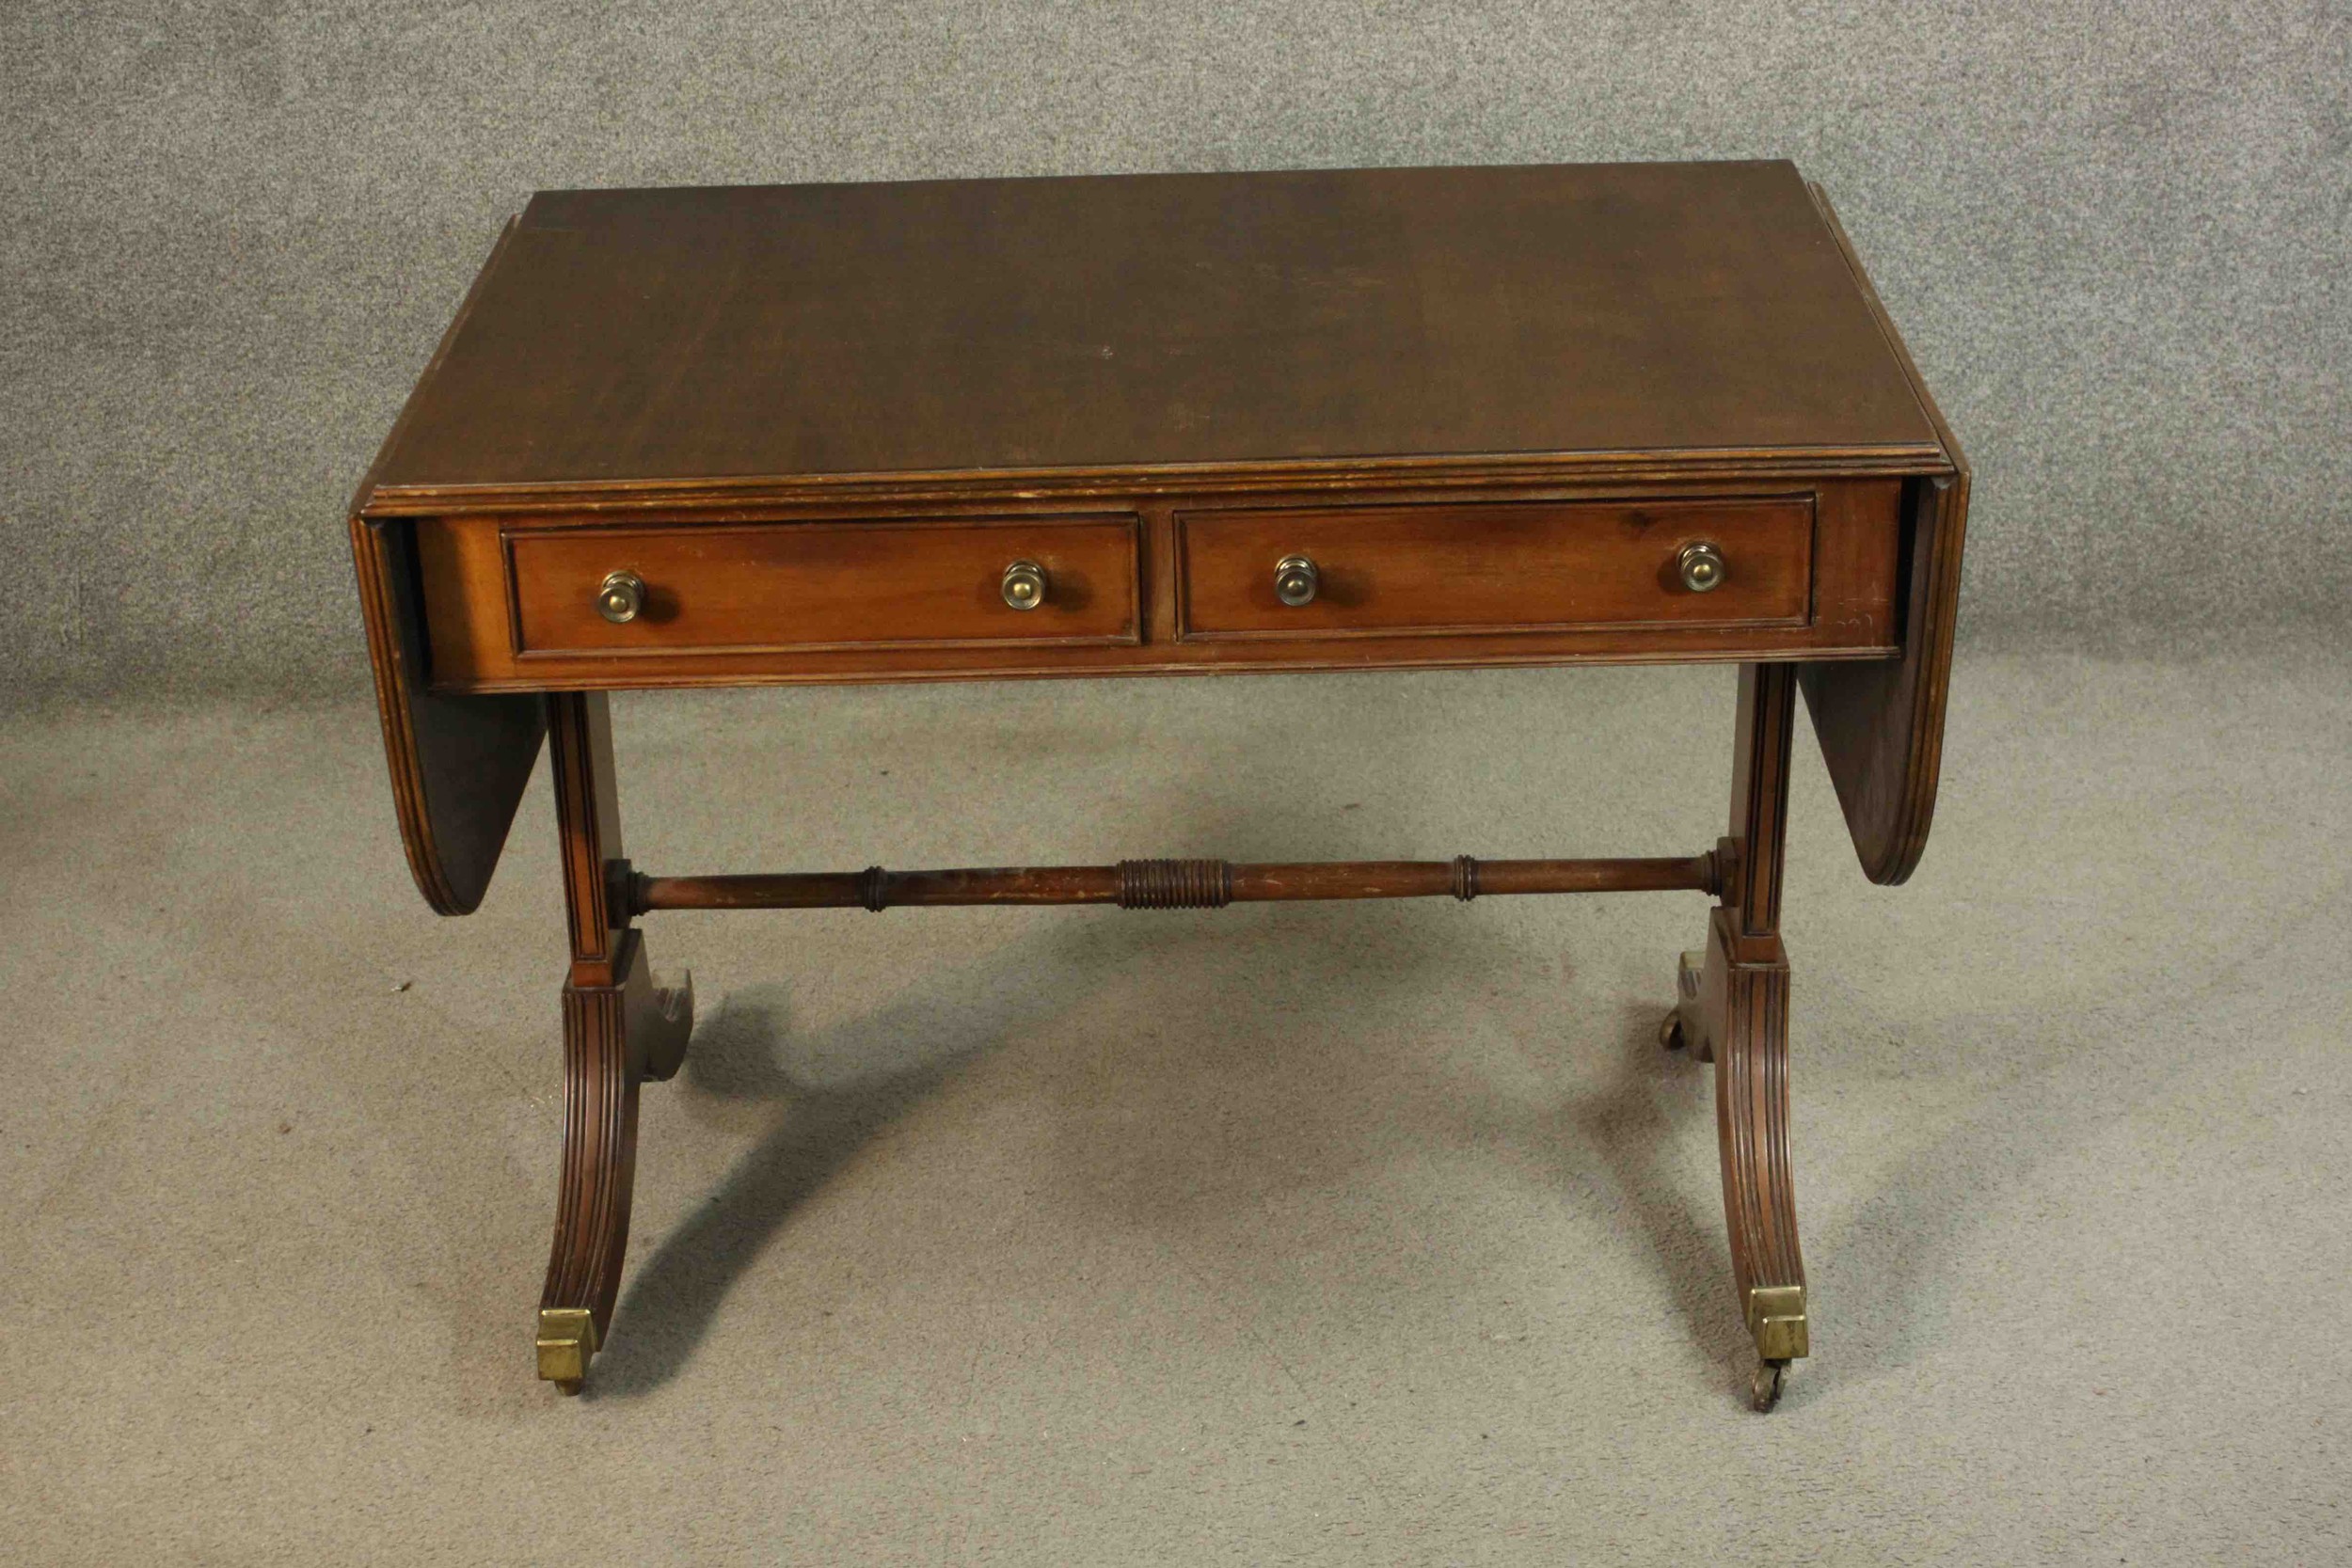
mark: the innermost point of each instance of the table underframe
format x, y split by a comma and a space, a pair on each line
622, 1029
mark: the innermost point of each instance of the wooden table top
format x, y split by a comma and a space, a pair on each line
1151, 322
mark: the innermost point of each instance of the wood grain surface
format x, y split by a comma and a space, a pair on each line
1144, 321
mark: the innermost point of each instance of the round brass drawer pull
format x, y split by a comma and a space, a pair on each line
1024, 585
620, 596
1296, 581
1702, 567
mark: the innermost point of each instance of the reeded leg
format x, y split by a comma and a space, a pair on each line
1747, 991
619, 1029
599, 1168
1734, 1010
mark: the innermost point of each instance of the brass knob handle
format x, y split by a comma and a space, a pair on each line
1024, 585
1296, 581
1702, 567
620, 596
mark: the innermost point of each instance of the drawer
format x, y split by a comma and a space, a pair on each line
1489, 566
802, 586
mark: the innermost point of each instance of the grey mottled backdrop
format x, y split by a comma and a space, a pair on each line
2115, 235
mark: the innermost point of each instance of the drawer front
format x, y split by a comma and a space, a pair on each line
1489, 566
805, 586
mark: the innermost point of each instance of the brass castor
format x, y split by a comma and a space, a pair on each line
1670, 1031
1765, 1392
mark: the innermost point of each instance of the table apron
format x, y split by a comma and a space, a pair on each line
1161, 584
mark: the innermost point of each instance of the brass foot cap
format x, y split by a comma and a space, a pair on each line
568, 1339
1776, 1318
1688, 974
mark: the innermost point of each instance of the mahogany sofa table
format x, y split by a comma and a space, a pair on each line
1364, 419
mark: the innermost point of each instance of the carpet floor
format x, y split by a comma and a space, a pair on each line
1281, 1234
